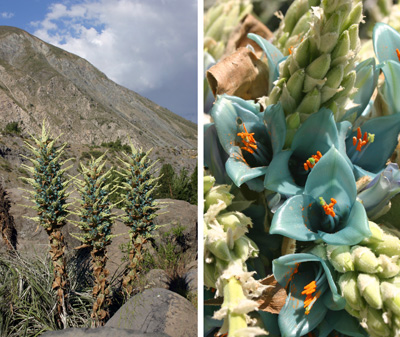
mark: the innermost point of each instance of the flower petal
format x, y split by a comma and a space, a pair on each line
317, 133
214, 155
355, 230
366, 81
391, 70
332, 178
274, 56
274, 117
294, 220
385, 39
278, 177
240, 172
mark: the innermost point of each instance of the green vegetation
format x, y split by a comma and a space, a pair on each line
180, 187
12, 128
116, 146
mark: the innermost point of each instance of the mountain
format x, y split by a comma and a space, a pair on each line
40, 81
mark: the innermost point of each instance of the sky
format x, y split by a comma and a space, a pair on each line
148, 46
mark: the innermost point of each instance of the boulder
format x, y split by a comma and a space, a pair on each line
157, 310
100, 332
157, 278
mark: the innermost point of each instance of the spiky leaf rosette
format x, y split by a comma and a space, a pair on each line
369, 280
49, 195
140, 207
319, 72
8, 230
96, 220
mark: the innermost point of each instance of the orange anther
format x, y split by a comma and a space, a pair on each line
248, 140
310, 162
361, 141
398, 54
329, 208
309, 289
291, 50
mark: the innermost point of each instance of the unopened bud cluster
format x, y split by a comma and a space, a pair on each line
220, 20
319, 72
226, 249
370, 281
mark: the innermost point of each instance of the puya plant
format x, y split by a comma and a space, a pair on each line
137, 200
49, 195
96, 221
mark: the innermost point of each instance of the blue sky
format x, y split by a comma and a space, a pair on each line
149, 46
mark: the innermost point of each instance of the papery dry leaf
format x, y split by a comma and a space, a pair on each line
273, 298
238, 37
241, 74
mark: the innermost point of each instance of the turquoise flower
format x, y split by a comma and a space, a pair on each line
327, 209
312, 292
380, 137
377, 194
249, 137
287, 173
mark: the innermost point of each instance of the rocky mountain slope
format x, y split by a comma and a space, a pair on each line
38, 80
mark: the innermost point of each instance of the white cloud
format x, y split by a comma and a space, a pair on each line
6, 15
141, 44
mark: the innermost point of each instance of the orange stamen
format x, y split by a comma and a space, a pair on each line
361, 141
309, 289
291, 50
310, 162
329, 208
398, 54
248, 140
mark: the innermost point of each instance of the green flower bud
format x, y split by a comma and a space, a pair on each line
369, 288
350, 291
235, 221
313, 3
319, 67
302, 53
208, 182
276, 91
217, 193
348, 84
340, 258
332, 25
295, 85
365, 260
391, 297
390, 246
282, 40
354, 37
220, 249
294, 12
329, 5
310, 103
335, 77
351, 311
377, 234
293, 121
303, 25
245, 248
328, 42
389, 266
395, 281
287, 101
375, 323
343, 46
354, 17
